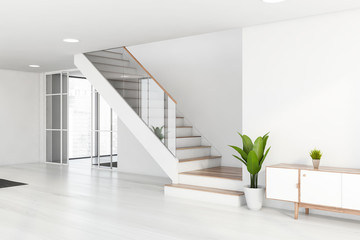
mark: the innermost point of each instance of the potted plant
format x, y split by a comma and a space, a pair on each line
158, 131
316, 154
253, 156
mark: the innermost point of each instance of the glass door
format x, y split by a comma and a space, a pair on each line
57, 118
104, 133
79, 100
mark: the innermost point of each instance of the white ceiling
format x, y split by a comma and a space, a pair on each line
32, 30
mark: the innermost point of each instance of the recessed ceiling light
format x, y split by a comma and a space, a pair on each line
34, 66
71, 40
273, 1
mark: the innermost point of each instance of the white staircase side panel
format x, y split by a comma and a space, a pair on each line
131, 120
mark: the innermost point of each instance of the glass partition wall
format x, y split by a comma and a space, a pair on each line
56, 118
79, 123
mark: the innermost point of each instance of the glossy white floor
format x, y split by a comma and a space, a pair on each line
83, 203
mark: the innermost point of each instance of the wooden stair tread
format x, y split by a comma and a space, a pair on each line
207, 189
198, 158
194, 147
179, 117
234, 173
189, 137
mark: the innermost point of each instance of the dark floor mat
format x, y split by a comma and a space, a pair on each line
6, 183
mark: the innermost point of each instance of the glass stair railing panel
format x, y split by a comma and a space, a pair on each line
138, 88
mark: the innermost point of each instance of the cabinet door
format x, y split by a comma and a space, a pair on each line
320, 188
351, 191
281, 184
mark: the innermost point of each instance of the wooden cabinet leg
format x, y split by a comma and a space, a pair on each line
307, 211
296, 215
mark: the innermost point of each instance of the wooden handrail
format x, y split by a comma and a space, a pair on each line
149, 74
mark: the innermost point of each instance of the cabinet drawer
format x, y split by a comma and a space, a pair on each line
281, 184
351, 191
321, 188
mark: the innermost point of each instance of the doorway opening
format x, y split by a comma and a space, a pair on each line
92, 127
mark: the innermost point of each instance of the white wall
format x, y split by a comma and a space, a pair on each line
132, 157
203, 74
20, 117
301, 82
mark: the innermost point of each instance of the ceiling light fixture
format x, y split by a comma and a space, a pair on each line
34, 66
273, 1
71, 40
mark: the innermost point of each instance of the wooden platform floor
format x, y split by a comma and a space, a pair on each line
219, 172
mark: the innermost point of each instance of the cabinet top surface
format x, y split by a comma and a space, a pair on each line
321, 168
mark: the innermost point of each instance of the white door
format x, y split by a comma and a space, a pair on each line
320, 188
351, 191
281, 184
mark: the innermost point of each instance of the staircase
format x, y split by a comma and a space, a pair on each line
201, 176
193, 165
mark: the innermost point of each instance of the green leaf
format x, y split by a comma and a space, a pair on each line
266, 134
240, 159
253, 163
263, 158
247, 143
259, 148
240, 151
265, 140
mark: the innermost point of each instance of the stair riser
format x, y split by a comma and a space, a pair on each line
108, 54
193, 153
133, 102
128, 84
200, 164
108, 61
180, 122
154, 113
108, 75
210, 197
154, 104
183, 132
103, 67
188, 142
135, 92
130, 94
212, 182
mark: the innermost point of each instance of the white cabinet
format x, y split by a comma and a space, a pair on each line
351, 191
320, 188
282, 184
326, 188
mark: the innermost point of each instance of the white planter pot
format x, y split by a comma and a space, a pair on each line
254, 197
316, 163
